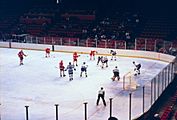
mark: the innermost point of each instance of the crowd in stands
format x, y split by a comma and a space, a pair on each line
124, 26
121, 26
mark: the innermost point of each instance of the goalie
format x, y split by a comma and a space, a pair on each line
116, 74
137, 68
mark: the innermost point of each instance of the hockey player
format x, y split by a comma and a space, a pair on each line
75, 56
84, 69
99, 59
137, 68
70, 69
61, 67
20, 55
47, 52
116, 74
104, 61
92, 54
113, 53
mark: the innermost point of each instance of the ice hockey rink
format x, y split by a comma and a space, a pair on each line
37, 84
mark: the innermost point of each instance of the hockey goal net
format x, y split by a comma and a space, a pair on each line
129, 82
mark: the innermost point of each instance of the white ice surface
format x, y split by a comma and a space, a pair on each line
38, 85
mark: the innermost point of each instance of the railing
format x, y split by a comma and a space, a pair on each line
150, 44
147, 44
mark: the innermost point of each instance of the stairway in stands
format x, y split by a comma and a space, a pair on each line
169, 110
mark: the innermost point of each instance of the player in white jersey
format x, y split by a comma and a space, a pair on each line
104, 61
84, 69
70, 69
116, 74
113, 53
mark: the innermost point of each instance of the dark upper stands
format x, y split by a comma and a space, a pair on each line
109, 30
159, 27
35, 21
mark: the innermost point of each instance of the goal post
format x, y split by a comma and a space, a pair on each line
129, 82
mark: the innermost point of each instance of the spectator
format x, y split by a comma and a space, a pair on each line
162, 50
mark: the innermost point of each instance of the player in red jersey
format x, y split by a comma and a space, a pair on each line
61, 67
47, 52
75, 56
92, 54
20, 55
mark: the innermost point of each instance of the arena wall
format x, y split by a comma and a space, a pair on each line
5, 44
86, 50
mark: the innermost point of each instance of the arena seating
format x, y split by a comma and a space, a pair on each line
90, 43
109, 31
88, 15
170, 109
158, 27
175, 43
167, 113
6, 22
148, 44
72, 24
35, 21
